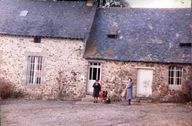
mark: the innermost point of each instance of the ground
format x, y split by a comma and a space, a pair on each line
76, 113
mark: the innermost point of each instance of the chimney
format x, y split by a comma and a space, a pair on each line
89, 3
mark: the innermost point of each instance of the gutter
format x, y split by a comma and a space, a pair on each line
69, 38
134, 61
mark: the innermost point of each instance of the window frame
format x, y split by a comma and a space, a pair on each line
177, 84
97, 67
37, 69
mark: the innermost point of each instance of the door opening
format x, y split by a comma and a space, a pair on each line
94, 73
144, 82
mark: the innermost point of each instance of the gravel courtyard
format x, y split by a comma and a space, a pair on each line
73, 113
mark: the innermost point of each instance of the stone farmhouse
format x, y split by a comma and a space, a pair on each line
58, 49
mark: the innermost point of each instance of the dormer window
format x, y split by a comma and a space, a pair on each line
37, 39
113, 32
187, 44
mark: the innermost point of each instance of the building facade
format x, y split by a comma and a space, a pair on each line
51, 50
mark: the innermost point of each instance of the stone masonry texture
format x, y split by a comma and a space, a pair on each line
63, 66
115, 77
64, 73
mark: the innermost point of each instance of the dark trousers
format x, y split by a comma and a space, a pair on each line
129, 101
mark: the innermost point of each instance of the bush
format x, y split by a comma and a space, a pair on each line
18, 94
6, 89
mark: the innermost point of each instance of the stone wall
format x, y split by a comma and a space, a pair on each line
65, 71
63, 66
115, 76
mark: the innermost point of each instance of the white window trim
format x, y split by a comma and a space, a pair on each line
149, 68
175, 86
94, 66
33, 79
24, 79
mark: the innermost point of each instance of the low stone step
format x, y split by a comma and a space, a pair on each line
87, 98
142, 100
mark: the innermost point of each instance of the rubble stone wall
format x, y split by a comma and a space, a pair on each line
64, 69
115, 77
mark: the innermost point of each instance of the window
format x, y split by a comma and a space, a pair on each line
34, 72
37, 39
175, 75
113, 32
187, 44
94, 71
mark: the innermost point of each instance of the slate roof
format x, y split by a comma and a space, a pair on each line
147, 35
65, 19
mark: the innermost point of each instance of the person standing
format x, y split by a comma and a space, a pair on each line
96, 90
129, 91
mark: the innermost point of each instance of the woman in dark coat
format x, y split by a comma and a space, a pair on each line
96, 90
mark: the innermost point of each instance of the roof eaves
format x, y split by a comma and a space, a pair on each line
56, 37
186, 63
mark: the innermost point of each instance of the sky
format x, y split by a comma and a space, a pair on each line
160, 3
